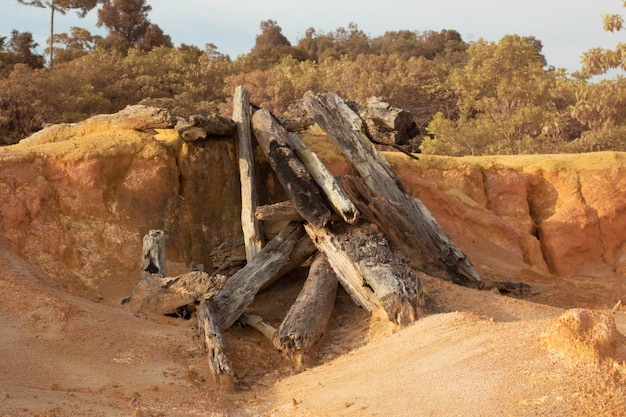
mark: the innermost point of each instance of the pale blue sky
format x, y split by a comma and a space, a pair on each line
566, 28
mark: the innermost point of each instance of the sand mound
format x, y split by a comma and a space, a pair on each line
586, 335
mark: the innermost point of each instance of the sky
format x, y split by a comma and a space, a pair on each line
566, 28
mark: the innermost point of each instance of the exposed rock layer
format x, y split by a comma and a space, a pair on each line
76, 201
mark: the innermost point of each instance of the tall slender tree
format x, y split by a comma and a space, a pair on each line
82, 7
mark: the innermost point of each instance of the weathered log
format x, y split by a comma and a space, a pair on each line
229, 257
153, 294
252, 232
241, 288
200, 127
308, 318
367, 268
208, 325
295, 118
137, 117
292, 174
153, 253
302, 250
435, 251
387, 124
326, 181
283, 211
276, 216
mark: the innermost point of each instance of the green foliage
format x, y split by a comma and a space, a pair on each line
504, 101
484, 98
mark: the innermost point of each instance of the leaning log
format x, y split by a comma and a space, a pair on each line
213, 341
337, 197
367, 268
301, 252
292, 174
241, 288
435, 251
252, 232
308, 318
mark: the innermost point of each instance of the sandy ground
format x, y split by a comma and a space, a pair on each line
473, 353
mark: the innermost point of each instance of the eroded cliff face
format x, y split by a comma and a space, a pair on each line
558, 214
77, 200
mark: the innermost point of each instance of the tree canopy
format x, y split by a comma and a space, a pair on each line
482, 97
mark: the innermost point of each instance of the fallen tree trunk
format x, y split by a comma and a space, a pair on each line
308, 319
252, 233
208, 324
369, 271
241, 288
292, 174
434, 250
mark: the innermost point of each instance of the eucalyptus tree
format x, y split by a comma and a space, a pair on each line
82, 7
597, 61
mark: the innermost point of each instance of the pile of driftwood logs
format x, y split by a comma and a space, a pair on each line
363, 232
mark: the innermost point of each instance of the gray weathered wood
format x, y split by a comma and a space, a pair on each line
369, 270
387, 124
337, 197
283, 211
308, 318
241, 288
302, 250
200, 127
257, 323
221, 369
252, 232
292, 174
153, 294
435, 250
153, 253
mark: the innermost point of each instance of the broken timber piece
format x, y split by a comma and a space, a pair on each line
241, 288
199, 127
370, 271
336, 195
153, 253
302, 250
308, 318
257, 323
292, 174
283, 211
221, 369
137, 117
435, 252
153, 294
252, 233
